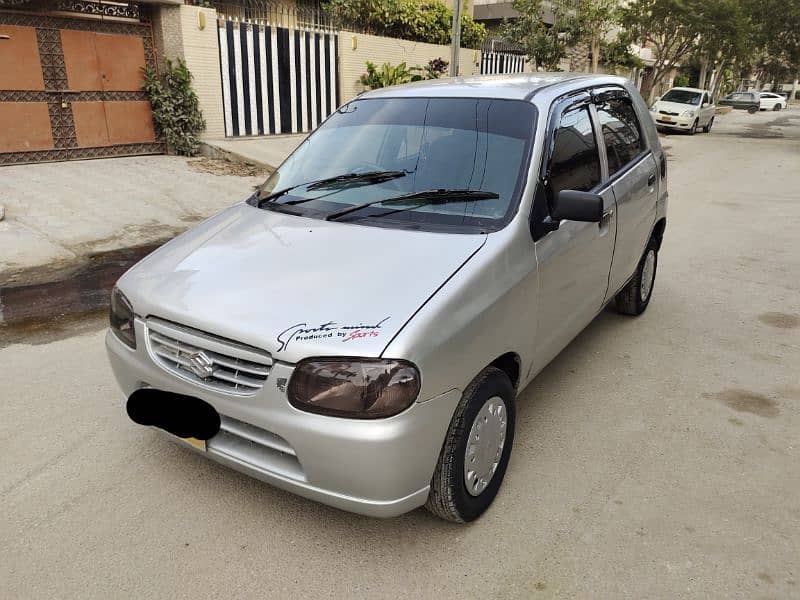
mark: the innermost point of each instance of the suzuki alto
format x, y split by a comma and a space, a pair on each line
358, 331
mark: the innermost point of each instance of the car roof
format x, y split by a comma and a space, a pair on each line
689, 89
519, 86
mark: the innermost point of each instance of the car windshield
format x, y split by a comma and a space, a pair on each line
423, 144
682, 97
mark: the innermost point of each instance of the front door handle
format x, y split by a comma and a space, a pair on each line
607, 214
651, 180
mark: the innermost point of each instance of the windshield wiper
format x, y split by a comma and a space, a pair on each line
426, 197
368, 178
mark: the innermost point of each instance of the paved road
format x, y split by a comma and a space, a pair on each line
655, 457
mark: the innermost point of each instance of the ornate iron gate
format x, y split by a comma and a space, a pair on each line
70, 88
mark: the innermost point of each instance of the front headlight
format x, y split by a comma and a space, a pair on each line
358, 388
688, 113
120, 317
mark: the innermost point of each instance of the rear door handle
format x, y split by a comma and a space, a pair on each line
651, 180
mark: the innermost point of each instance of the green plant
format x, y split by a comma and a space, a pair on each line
435, 68
681, 80
387, 75
418, 20
176, 109
617, 53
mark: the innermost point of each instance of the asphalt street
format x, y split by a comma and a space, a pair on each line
656, 457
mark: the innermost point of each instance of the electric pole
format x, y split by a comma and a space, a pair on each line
455, 38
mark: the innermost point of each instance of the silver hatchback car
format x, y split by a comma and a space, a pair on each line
358, 330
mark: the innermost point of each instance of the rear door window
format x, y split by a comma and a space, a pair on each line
622, 133
575, 163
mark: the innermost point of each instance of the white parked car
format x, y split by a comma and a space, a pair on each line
685, 109
770, 101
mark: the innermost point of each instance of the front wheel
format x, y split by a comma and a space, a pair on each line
752, 110
693, 130
476, 449
635, 296
707, 128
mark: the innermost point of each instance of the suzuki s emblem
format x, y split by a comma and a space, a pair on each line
201, 365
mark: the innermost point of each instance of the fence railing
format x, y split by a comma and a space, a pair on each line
296, 16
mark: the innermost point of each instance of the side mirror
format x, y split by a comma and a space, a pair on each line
705, 105
578, 206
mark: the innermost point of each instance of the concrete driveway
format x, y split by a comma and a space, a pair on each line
56, 214
656, 457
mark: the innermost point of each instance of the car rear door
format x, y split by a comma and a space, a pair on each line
632, 175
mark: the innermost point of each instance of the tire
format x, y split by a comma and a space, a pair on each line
693, 130
449, 498
777, 107
633, 299
752, 110
707, 128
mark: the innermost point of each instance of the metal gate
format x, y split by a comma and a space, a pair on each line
276, 79
502, 62
71, 88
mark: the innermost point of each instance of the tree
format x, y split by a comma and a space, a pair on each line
776, 33
590, 21
544, 44
680, 29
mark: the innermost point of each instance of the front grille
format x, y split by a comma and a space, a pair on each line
207, 360
666, 112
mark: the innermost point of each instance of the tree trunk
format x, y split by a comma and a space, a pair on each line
595, 50
647, 85
718, 81
792, 96
701, 82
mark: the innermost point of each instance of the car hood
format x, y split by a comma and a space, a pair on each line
295, 286
675, 107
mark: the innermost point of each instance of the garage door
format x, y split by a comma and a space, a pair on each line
71, 89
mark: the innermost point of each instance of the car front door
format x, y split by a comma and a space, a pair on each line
706, 110
575, 258
634, 177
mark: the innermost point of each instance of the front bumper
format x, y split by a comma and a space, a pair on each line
379, 468
675, 122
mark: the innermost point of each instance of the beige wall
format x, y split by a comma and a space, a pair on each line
177, 34
352, 62
201, 52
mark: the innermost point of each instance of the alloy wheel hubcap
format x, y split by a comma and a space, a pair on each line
648, 274
485, 444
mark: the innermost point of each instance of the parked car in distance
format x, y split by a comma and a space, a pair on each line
684, 109
748, 101
770, 101
358, 330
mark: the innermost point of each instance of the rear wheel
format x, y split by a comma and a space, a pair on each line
634, 298
777, 107
476, 450
707, 128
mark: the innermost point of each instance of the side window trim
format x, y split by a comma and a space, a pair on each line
573, 101
608, 93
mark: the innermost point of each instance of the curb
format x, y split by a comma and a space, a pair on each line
211, 151
84, 289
